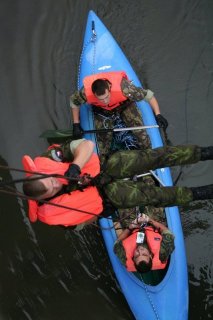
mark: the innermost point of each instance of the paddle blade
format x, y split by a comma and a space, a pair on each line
56, 134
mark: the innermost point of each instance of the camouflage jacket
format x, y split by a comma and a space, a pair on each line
167, 247
129, 90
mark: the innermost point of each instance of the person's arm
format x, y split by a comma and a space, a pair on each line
76, 100
65, 152
155, 106
75, 113
120, 251
135, 224
146, 219
82, 152
157, 225
167, 243
134, 93
124, 234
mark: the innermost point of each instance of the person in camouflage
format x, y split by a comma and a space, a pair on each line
142, 254
63, 153
121, 193
127, 111
129, 163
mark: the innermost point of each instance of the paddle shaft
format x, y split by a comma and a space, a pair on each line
68, 133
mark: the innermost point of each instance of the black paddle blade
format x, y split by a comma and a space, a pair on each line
49, 134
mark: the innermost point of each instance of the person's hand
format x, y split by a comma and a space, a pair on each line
138, 221
77, 130
143, 219
161, 121
73, 171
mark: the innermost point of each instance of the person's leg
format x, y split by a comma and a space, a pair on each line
129, 194
131, 116
125, 140
123, 164
104, 140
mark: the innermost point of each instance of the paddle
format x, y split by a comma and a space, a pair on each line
164, 137
68, 133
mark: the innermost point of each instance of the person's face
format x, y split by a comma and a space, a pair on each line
141, 254
104, 98
52, 186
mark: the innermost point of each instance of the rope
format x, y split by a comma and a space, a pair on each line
41, 176
150, 300
91, 40
23, 196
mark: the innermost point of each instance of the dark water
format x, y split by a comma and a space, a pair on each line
50, 273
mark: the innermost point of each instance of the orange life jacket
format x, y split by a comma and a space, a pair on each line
153, 239
89, 200
116, 95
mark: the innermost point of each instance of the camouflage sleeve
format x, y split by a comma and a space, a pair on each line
134, 93
120, 252
167, 245
77, 98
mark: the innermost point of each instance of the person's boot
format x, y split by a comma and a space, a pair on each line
202, 193
206, 153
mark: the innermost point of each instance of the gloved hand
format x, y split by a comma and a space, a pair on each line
77, 130
73, 171
161, 121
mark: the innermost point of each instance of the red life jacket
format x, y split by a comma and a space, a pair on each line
116, 95
153, 239
89, 200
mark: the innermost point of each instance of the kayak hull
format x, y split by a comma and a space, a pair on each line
168, 299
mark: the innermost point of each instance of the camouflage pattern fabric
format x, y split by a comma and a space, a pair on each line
167, 245
125, 163
131, 117
128, 194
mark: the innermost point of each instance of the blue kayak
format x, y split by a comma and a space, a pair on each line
166, 299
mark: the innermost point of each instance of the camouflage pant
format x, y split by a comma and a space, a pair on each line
127, 194
130, 115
